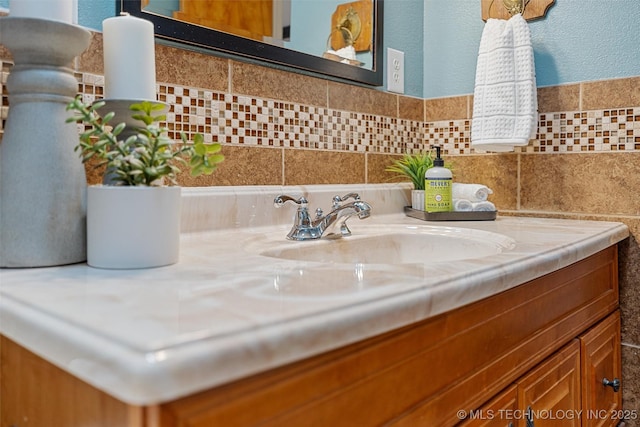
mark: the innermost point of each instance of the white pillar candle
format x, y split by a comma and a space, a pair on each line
129, 58
53, 10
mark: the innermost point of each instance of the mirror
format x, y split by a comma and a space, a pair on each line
338, 38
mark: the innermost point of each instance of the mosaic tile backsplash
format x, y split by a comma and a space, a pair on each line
250, 121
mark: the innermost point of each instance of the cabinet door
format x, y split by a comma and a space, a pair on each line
499, 412
549, 395
601, 373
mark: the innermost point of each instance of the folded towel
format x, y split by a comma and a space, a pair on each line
471, 192
483, 206
505, 105
462, 205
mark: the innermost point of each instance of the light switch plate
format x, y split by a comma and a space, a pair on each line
395, 70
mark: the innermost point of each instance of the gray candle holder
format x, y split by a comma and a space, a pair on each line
42, 180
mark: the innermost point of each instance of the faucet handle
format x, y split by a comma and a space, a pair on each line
338, 199
280, 200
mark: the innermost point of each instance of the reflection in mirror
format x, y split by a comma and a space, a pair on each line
262, 20
334, 37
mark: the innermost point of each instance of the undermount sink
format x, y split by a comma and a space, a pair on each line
396, 244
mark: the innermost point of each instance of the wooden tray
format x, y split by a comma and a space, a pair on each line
451, 216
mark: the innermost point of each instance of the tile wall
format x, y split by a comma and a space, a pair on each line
280, 128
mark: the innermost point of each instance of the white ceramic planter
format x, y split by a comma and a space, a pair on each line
132, 227
417, 199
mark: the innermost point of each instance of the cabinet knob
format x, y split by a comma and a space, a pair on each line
615, 384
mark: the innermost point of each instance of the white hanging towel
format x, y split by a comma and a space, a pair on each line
505, 102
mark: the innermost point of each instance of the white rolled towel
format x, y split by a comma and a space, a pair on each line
483, 206
471, 192
462, 205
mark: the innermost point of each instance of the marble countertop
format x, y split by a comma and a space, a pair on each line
225, 311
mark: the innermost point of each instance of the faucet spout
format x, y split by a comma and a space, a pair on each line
334, 224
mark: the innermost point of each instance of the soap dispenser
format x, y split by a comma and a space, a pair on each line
437, 186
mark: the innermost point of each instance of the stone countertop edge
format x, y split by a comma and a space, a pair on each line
151, 353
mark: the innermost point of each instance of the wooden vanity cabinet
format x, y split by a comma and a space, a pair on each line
539, 340
567, 389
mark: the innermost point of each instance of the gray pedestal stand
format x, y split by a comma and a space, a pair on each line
42, 179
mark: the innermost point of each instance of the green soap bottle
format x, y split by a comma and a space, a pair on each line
437, 186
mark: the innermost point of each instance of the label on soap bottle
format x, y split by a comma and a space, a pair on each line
437, 195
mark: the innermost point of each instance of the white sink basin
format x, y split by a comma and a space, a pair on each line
396, 244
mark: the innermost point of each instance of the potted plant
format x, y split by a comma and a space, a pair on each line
413, 166
134, 220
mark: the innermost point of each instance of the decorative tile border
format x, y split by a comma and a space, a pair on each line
249, 121
453, 135
562, 132
589, 131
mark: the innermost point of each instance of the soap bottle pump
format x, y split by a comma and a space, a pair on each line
437, 185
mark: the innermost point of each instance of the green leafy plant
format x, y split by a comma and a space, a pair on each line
148, 156
412, 166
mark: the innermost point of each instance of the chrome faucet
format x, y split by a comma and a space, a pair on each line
332, 225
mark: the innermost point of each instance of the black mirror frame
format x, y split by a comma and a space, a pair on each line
208, 39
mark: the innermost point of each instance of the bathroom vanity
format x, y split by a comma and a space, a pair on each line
249, 328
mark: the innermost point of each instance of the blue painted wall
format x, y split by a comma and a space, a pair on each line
91, 13
403, 21
579, 40
403, 24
